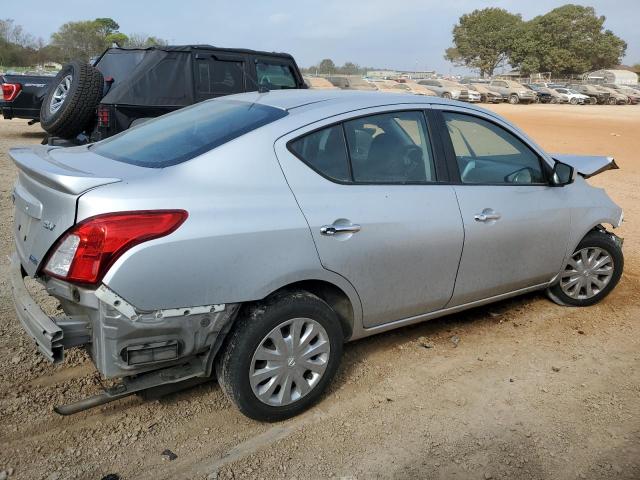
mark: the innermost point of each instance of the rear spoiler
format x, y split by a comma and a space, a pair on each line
39, 165
587, 165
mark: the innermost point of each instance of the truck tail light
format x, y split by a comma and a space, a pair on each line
85, 252
104, 116
10, 91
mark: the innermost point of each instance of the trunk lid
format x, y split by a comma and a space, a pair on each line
50, 181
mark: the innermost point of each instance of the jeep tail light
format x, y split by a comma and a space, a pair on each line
104, 116
85, 252
10, 91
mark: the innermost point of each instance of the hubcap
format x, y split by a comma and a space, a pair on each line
60, 94
587, 273
289, 361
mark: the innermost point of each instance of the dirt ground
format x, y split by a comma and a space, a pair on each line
531, 390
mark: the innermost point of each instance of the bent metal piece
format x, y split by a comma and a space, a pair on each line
171, 375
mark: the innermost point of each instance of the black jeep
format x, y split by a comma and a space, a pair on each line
125, 87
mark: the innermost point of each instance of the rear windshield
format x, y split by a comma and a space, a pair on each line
186, 133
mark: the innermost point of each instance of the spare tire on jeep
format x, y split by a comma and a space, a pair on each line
70, 104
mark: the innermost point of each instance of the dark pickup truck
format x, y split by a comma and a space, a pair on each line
125, 87
22, 95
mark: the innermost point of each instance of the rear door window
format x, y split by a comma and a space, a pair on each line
390, 148
186, 133
274, 75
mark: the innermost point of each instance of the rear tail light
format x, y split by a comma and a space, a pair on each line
104, 116
87, 250
10, 91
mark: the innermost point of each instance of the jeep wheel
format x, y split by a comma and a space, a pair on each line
591, 273
70, 104
280, 356
514, 99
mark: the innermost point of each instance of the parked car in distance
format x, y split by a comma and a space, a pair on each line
512, 91
129, 86
615, 97
486, 94
120, 232
351, 82
319, 83
573, 97
417, 89
631, 93
22, 95
451, 90
543, 95
595, 95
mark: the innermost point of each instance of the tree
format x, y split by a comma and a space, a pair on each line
350, 68
567, 40
141, 40
327, 66
87, 38
483, 38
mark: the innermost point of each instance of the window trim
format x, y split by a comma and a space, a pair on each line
452, 162
439, 161
212, 57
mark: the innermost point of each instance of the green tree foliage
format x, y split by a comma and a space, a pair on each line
84, 39
483, 39
141, 40
327, 66
567, 40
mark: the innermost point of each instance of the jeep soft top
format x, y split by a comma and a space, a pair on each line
127, 86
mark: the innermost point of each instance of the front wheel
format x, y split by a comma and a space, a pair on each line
446, 95
591, 273
280, 356
573, 101
514, 99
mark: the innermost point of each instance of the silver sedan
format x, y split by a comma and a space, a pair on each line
249, 237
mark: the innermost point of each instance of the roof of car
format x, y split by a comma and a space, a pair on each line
192, 48
342, 100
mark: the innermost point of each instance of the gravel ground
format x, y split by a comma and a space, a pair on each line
519, 389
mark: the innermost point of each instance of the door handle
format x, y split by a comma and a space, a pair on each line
486, 216
331, 230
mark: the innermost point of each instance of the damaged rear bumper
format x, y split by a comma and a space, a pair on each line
51, 334
121, 340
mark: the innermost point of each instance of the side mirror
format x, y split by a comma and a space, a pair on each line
563, 174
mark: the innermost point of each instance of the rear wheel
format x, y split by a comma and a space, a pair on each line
280, 356
514, 99
70, 104
591, 273
593, 101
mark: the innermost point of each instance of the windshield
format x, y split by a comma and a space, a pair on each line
186, 133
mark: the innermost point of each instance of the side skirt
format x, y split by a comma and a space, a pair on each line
365, 332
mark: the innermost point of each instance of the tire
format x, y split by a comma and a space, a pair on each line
276, 318
612, 101
597, 244
446, 95
514, 99
593, 101
70, 104
573, 101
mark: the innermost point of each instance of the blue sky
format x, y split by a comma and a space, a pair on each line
403, 34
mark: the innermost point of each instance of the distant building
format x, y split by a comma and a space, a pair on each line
619, 77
